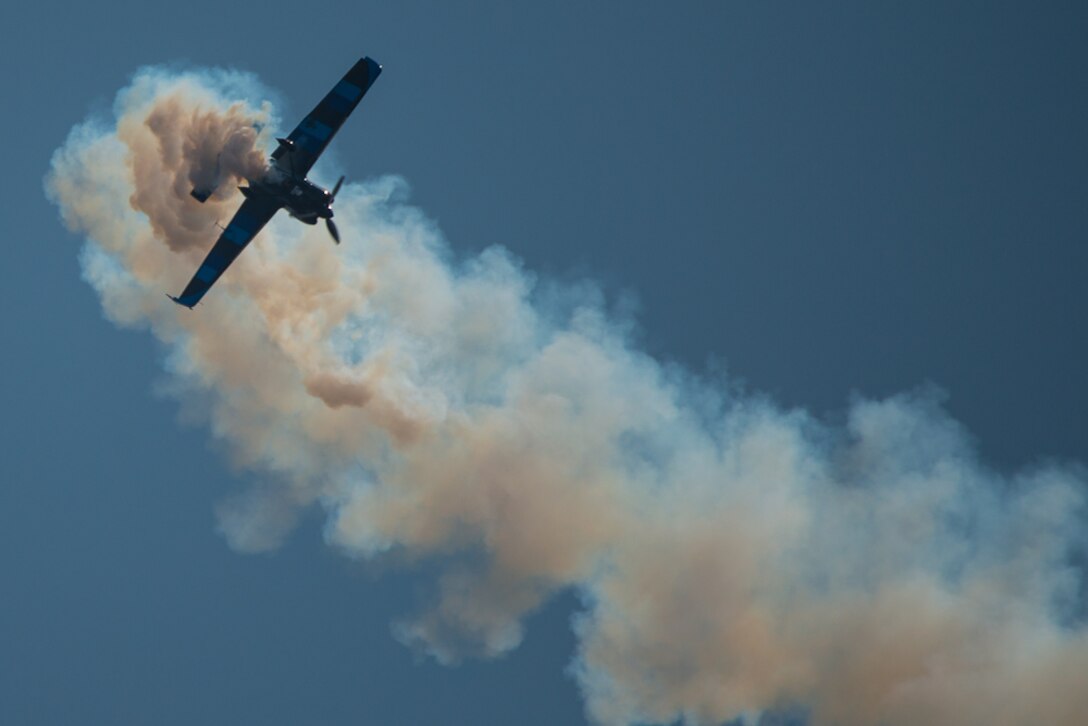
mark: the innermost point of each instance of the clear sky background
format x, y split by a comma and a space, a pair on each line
860, 198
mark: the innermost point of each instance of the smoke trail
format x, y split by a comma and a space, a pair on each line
732, 557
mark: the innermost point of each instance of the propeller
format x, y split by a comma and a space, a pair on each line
331, 225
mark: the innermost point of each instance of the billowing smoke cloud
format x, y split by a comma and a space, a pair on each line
732, 557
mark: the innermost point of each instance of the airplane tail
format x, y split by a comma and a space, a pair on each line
201, 194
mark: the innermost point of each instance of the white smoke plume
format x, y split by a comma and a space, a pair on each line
733, 558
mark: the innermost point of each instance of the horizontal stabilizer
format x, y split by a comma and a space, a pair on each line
285, 146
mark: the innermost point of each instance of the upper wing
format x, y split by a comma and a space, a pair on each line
311, 136
247, 222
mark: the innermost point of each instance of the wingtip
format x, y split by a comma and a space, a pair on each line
374, 66
179, 302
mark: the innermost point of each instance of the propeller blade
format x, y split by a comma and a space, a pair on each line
336, 189
333, 230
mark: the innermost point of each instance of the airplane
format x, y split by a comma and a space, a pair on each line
285, 186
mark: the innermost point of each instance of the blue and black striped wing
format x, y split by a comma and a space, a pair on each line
315, 132
247, 222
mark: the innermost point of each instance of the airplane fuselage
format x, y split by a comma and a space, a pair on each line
303, 200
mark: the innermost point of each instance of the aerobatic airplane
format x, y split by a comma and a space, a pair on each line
286, 184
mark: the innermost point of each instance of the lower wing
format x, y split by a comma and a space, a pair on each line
247, 222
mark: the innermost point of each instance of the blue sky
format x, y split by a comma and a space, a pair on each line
853, 200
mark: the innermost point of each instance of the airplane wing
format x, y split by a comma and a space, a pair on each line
247, 222
311, 136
